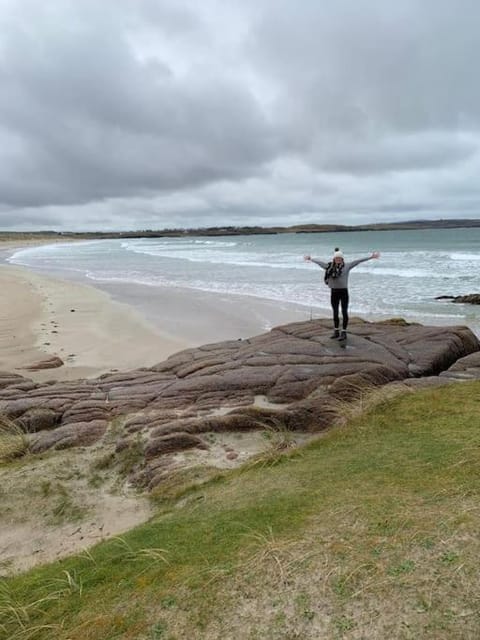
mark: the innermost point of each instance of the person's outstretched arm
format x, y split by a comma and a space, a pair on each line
375, 255
320, 263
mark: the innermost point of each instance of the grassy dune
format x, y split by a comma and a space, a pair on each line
372, 531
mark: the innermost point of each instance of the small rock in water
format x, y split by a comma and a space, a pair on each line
471, 298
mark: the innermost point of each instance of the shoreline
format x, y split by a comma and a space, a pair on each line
99, 327
45, 317
181, 317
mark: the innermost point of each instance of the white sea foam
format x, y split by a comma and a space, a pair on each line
128, 278
414, 272
465, 257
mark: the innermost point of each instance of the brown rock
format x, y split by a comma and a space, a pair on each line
17, 406
13, 380
39, 419
156, 472
86, 411
79, 434
467, 368
173, 443
48, 363
351, 386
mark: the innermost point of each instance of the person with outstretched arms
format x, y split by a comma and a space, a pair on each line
336, 278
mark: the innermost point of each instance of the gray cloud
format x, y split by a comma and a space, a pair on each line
93, 121
157, 113
361, 74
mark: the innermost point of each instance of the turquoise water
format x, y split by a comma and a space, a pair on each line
414, 268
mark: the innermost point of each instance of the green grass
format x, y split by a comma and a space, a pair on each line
369, 532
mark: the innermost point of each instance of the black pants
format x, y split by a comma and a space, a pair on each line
338, 296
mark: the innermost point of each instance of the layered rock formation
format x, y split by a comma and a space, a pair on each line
292, 377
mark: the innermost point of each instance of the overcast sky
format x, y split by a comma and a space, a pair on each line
135, 114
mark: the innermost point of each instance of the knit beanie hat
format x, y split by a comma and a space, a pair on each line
337, 253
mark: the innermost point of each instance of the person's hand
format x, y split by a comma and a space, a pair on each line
375, 255
307, 258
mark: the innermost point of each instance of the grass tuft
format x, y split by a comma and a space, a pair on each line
13, 441
70, 583
129, 554
17, 620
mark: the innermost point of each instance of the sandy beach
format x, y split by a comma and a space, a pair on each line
111, 326
202, 317
92, 334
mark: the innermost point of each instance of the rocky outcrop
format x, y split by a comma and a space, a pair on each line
293, 377
470, 298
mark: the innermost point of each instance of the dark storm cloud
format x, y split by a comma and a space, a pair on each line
158, 113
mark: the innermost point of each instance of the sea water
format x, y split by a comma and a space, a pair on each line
415, 267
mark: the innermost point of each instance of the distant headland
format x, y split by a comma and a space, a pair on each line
240, 230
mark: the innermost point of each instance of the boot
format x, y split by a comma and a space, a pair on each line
343, 335
335, 335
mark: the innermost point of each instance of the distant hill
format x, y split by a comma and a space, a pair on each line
242, 230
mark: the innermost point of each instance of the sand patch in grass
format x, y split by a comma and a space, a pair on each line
54, 505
